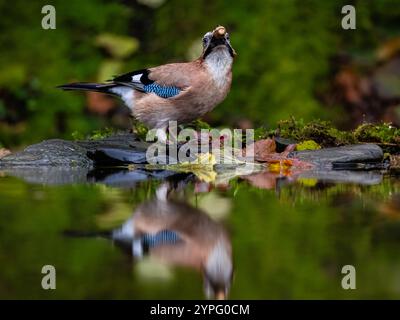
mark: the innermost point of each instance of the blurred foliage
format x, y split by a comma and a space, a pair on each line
284, 51
34, 61
117, 46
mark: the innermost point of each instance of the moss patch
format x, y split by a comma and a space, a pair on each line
321, 132
95, 135
140, 130
308, 145
381, 133
324, 134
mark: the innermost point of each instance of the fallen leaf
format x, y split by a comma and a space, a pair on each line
395, 161
289, 148
4, 152
202, 167
280, 166
261, 149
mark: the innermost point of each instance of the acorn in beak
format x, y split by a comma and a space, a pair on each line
219, 32
219, 36
215, 39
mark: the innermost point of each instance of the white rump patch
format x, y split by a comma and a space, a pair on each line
127, 95
126, 232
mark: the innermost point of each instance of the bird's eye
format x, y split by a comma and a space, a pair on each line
227, 37
205, 41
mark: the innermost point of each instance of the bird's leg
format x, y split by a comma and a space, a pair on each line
162, 191
132, 122
161, 134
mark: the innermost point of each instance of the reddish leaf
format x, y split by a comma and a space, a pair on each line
262, 149
4, 152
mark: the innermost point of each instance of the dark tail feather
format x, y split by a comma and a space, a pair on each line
125, 245
87, 86
88, 234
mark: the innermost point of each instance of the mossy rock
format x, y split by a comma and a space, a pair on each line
325, 134
381, 133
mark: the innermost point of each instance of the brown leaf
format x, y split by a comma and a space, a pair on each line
262, 149
395, 161
4, 152
289, 148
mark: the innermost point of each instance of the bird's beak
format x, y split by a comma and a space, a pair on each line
219, 38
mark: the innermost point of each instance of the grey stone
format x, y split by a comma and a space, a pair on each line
324, 158
119, 140
124, 178
104, 156
74, 154
50, 153
59, 161
345, 176
48, 175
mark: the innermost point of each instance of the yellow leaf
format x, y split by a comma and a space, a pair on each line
202, 167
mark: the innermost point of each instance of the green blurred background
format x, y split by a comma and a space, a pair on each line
294, 59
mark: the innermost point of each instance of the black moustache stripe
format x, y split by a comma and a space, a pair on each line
213, 45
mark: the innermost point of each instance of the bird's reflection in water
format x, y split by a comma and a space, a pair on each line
177, 234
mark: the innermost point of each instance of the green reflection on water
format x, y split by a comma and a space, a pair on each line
290, 243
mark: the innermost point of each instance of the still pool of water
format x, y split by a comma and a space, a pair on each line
254, 237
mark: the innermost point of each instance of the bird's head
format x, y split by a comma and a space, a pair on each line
218, 271
218, 39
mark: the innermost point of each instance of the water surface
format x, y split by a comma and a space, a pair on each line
255, 237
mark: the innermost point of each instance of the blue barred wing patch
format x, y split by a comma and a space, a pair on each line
160, 238
163, 92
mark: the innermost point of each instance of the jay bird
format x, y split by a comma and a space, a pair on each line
180, 92
177, 234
